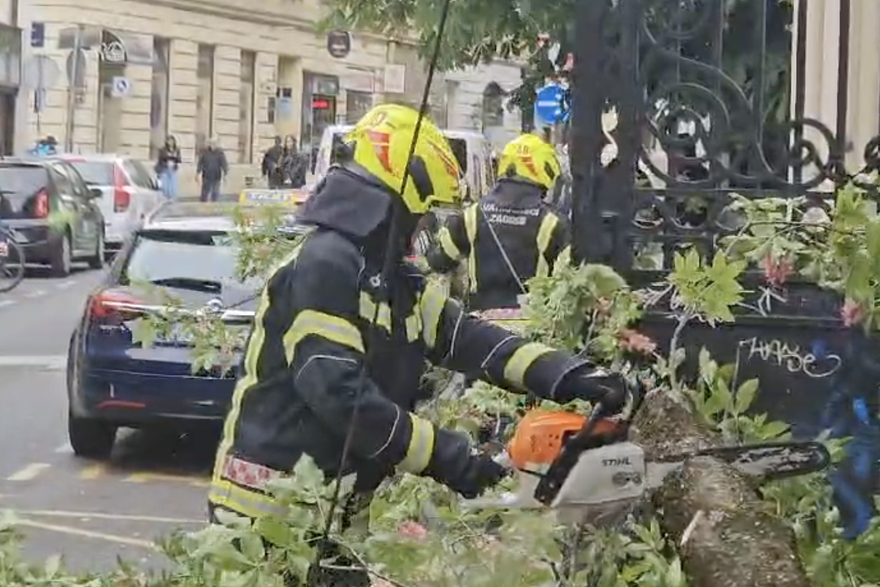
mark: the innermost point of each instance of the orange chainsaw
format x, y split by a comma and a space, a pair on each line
588, 470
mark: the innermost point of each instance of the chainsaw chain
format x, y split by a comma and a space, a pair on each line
776, 460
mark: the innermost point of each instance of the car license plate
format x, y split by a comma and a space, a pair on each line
4, 249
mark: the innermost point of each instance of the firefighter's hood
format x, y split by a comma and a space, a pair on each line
347, 202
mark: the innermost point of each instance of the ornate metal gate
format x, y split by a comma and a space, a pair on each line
676, 106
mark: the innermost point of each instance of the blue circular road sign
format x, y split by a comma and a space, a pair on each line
550, 104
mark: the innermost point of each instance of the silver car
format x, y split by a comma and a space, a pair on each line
130, 192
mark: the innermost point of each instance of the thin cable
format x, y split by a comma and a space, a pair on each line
388, 269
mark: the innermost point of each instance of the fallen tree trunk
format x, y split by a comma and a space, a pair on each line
725, 535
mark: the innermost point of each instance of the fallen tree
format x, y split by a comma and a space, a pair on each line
724, 532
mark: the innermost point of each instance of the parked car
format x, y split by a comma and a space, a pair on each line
129, 191
51, 213
183, 250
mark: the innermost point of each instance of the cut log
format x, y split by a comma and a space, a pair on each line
724, 533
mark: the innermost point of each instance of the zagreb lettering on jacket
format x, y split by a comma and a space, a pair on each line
791, 357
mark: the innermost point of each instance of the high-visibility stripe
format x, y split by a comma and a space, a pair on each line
564, 257
421, 446
413, 327
545, 235
367, 311
251, 359
431, 304
447, 244
520, 361
327, 326
470, 229
252, 504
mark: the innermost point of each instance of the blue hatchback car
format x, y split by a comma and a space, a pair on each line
184, 251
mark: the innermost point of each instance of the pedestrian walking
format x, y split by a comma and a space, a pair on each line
211, 170
271, 164
293, 164
167, 164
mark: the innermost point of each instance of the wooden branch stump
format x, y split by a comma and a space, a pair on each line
725, 535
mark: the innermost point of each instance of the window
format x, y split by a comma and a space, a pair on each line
186, 259
159, 91
137, 174
493, 106
356, 105
61, 180
95, 172
246, 107
205, 96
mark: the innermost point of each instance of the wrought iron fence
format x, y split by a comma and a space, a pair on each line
677, 105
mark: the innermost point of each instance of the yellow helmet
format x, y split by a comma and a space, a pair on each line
381, 143
529, 158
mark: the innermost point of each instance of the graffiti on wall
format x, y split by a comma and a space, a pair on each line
825, 384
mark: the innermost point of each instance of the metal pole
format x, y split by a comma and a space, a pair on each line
72, 90
586, 131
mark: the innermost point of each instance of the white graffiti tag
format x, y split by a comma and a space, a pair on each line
791, 357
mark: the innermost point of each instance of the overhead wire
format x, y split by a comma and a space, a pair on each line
389, 266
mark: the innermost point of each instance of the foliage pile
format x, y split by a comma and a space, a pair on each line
421, 535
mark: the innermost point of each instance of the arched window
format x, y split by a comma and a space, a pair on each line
493, 106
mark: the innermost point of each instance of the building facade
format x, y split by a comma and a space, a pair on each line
121, 75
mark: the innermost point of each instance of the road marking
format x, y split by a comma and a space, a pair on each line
28, 473
104, 516
88, 534
160, 477
65, 284
35, 294
6, 303
40, 361
93, 472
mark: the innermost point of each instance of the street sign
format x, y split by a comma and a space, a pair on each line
339, 44
121, 86
550, 106
38, 35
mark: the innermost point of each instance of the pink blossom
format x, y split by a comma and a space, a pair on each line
851, 313
412, 530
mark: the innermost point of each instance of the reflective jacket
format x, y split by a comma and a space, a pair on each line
307, 362
531, 234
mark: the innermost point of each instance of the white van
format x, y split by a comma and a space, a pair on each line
472, 149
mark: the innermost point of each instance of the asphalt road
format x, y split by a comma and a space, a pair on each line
89, 512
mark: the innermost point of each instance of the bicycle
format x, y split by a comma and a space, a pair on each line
11, 261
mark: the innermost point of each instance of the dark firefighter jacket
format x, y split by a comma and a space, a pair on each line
306, 363
530, 232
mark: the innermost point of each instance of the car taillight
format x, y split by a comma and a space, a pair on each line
113, 307
121, 196
41, 204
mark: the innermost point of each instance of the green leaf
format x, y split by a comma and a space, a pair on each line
52, 566
252, 547
718, 400
745, 395
674, 575
274, 531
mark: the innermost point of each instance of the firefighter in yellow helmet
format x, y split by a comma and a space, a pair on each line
511, 235
315, 351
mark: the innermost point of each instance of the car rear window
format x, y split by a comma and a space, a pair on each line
161, 255
19, 185
94, 172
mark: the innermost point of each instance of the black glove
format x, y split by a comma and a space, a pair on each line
596, 385
453, 465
